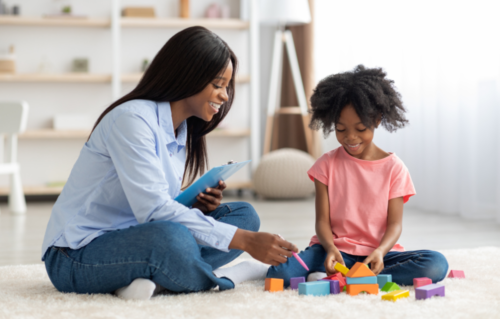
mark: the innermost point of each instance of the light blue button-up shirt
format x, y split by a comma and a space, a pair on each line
128, 173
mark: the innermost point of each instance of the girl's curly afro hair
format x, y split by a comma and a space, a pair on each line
367, 90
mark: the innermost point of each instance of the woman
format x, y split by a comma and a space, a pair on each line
116, 227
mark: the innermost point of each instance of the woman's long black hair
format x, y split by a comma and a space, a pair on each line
186, 64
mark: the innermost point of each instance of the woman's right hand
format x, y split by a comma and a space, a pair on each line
265, 247
333, 256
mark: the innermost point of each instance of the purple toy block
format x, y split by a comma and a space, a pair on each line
294, 282
334, 286
426, 292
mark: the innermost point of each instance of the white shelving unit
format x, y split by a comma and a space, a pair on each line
115, 24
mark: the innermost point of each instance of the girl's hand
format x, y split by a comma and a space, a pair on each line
332, 257
210, 200
376, 261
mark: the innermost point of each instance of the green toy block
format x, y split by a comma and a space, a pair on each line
345, 288
390, 286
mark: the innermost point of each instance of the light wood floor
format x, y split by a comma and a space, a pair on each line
21, 236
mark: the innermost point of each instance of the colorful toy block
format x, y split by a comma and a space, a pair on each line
456, 274
341, 268
294, 282
390, 286
314, 288
429, 291
338, 276
395, 295
274, 284
361, 280
334, 286
354, 290
419, 282
359, 270
383, 279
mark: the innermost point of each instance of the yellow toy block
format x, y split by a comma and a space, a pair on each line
341, 268
274, 284
359, 270
395, 295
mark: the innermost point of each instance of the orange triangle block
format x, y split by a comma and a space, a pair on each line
359, 270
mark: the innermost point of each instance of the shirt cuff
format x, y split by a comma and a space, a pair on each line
222, 235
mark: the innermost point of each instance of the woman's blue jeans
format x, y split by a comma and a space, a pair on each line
403, 266
162, 251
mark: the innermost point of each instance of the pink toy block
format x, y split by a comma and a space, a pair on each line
456, 274
294, 282
429, 291
419, 282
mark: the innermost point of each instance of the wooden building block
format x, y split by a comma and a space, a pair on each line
274, 284
395, 295
361, 280
334, 286
295, 281
383, 279
314, 288
359, 270
423, 281
429, 291
139, 12
354, 290
341, 268
390, 286
456, 274
338, 276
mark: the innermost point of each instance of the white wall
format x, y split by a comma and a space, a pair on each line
45, 161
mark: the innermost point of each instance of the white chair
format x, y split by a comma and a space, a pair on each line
13, 118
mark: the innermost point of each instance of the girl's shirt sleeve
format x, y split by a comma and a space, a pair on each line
320, 169
401, 183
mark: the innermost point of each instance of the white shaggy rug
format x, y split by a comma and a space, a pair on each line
26, 292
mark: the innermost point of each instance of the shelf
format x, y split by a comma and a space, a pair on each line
58, 78
80, 77
83, 134
56, 190
125, 22
184, 23
54, 22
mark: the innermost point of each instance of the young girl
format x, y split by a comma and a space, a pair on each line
360, 188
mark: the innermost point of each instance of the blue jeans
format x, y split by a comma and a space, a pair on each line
403, 266
162, 251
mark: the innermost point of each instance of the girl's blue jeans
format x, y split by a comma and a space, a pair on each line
403, 266
162, 251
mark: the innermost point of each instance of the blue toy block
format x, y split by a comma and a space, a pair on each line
383, 279
295, 281
334, 286
361, 280
314, 288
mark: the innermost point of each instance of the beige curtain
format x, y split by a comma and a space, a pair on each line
290, 131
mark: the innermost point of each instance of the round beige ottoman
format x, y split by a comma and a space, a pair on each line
283, 174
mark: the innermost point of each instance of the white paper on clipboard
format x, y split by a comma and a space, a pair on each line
209, 179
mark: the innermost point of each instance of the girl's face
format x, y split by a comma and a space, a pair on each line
354, 136
206, 104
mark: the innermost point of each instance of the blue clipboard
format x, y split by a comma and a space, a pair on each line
209, 179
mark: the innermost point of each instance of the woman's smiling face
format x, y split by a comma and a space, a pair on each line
206, 104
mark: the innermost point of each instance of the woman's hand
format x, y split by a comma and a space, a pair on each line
211, 200
376, 261
332, 257
265, 247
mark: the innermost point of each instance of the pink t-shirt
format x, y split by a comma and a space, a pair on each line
359, 192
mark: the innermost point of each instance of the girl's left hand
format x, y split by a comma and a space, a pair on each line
376, 261
210, 200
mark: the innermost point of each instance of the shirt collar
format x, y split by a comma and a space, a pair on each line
166, 123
